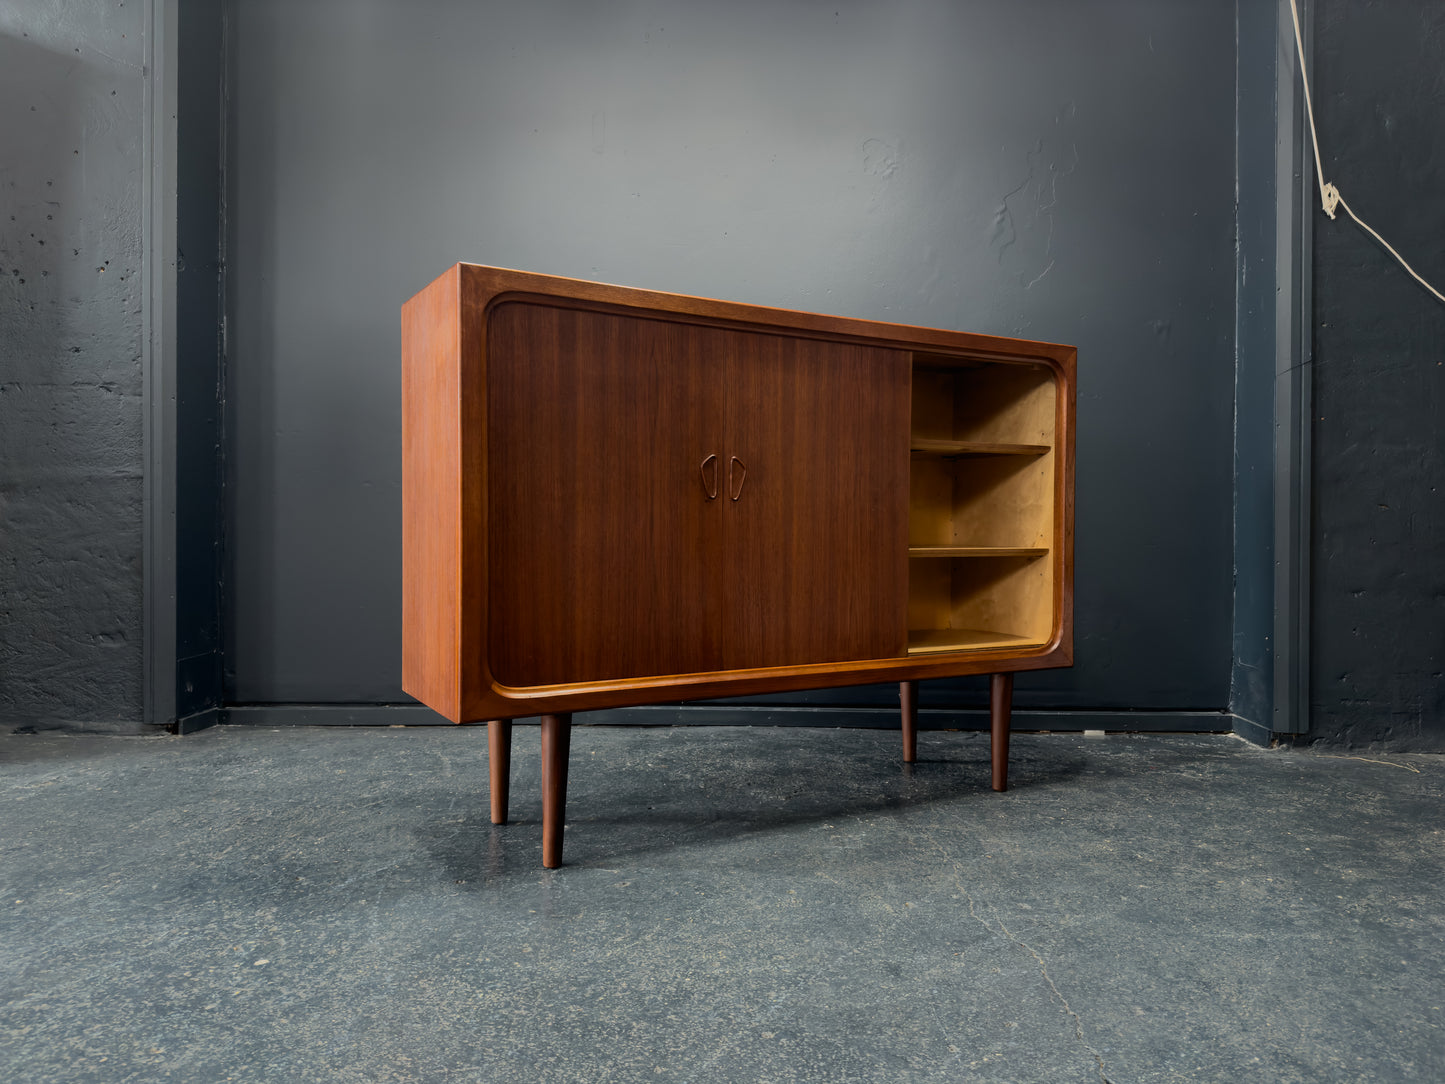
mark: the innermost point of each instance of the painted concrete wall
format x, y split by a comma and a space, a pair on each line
1378, 600
1054, 170
71, 108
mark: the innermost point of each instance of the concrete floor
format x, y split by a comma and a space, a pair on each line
738, 905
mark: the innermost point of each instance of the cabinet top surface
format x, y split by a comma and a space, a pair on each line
485, 286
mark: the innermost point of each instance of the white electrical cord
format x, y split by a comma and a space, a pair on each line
1330, 197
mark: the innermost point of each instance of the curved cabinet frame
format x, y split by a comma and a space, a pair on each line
615, 497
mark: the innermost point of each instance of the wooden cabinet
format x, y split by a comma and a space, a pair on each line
615, 496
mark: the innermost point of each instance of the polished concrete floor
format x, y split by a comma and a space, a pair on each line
738, 905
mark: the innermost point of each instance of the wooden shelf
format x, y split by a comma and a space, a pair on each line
928, 641
954, 448
977, 551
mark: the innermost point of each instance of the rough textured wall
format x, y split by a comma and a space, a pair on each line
1055, 170
71, 111
1378, 596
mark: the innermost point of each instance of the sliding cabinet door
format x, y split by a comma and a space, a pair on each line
816, 481
604, 541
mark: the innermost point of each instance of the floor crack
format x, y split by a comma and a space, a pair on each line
1078, 1020
1038, 959
1367, 760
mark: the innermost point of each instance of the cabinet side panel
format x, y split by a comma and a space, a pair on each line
430, 499
1064, 503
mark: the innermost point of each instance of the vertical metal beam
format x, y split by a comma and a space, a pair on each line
200, 76
1293, 386
159, 363
1251, 692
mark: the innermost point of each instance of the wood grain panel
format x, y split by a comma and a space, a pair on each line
603, 544
816, 560
431, 557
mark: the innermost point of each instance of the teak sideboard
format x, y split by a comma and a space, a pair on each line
616, 497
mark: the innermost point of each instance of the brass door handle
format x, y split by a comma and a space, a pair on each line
709, 489
738, 490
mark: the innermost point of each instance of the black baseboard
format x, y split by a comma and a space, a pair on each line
201, 720
1187, 722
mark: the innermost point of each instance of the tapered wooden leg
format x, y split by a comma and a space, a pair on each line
556, 744
499, 756
1000, 703
908, 694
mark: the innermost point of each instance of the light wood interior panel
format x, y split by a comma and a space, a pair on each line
1004, 500
981, 514
932, 402
983, 401
971, 602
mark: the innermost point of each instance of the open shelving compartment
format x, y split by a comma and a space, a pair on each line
981, 515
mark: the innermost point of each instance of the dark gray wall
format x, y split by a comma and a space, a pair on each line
1058, 170
72, 98
1378, 604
